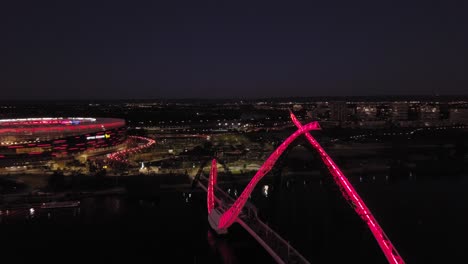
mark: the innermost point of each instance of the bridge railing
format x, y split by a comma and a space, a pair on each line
249, 216
280, 246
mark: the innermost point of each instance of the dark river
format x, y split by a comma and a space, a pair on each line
119, 229
425, 219
425, 216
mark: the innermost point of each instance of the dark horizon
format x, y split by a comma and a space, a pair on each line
393, 97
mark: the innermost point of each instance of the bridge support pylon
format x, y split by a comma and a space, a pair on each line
213, 220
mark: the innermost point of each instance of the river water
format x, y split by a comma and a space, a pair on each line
423, 212
424, 216
172, 228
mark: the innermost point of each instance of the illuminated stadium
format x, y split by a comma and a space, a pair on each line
58, 137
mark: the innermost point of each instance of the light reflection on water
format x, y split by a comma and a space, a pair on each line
416, 214
423, 216
157, 225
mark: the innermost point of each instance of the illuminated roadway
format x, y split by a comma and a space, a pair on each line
120, 156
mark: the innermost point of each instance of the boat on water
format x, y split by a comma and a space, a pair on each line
66, 204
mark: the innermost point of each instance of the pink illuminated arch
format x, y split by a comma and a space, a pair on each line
229, 217
347, 190
351, 195
211, 184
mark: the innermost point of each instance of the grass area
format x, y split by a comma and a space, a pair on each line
230, 139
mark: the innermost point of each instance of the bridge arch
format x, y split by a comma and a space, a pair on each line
212, 180
347, 190
229, 217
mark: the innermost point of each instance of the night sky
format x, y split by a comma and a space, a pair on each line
231, 49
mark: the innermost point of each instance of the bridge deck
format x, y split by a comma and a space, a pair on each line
274, 244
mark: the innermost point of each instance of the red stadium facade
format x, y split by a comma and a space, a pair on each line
49, 137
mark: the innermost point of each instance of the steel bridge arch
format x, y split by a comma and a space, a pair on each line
348, 192
229, 217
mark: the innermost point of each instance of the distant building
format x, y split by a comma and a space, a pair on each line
297, 107
429, 112
459, 115
366, 112
384, 111
312, 114
444, 110
338, 111
400, 111
48, 138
